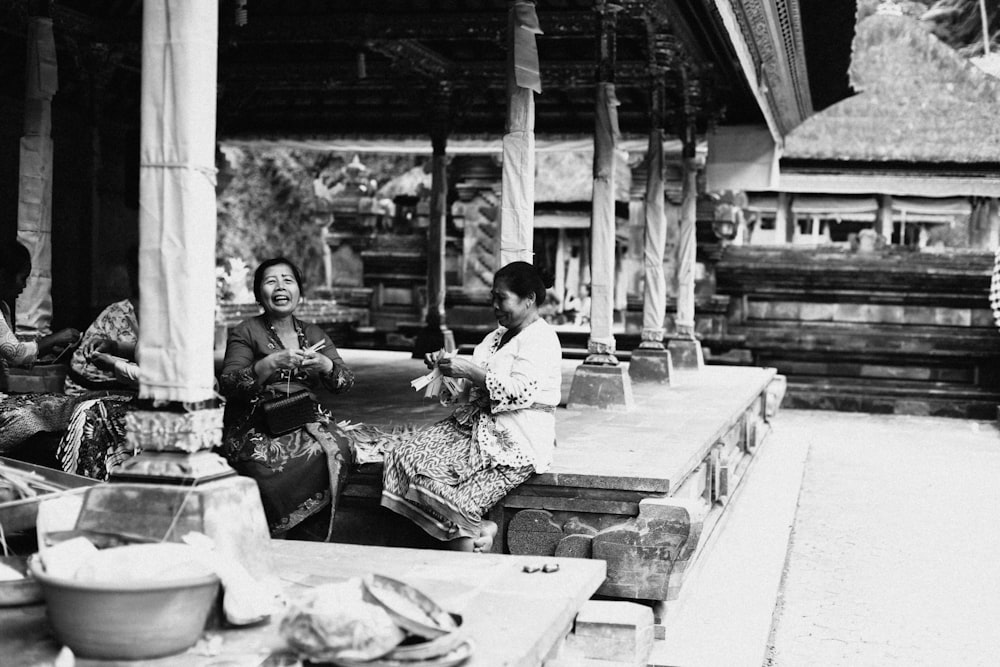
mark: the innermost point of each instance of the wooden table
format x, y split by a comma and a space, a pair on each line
513, 618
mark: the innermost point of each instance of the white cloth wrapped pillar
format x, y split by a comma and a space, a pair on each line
517, 195
601, 382
684, 348
177, 200
176, 430
602, 228
654, 304
687, 252
34, 205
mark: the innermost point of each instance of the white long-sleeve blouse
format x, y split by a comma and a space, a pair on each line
523, 382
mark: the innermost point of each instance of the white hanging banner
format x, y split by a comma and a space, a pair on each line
177, 200
34, 202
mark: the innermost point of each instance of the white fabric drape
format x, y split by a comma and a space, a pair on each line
655, 287
34, 205
177, 200
602, 226
517, 195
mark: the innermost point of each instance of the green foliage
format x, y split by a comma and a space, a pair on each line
266, 210
269, 207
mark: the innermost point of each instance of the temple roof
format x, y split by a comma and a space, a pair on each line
919, 102
318, 68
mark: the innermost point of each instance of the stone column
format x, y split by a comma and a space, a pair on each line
652, 361
517, 197
177, 484
684, 347
601, 381
34, 202
436, 334
784, 219
883, 218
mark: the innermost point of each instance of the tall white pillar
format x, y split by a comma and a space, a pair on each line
517, 195
177, 200
34, 203
601, 381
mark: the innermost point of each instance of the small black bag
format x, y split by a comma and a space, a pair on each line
287, 413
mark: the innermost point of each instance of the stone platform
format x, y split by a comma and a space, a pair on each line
640, 490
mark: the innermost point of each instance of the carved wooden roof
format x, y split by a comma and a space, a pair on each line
385, 67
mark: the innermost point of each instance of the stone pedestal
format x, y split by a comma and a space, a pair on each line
686, 353
651, 365
176, 485
601, 386
227, 510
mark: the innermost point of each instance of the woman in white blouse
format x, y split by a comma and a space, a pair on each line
446, 477
15, 265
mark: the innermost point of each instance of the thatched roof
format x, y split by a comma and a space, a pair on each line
920, 101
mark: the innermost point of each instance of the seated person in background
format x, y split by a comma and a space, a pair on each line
446, 477
15, 265
104, 374
94, 442
114, 332
300, 473
25, 415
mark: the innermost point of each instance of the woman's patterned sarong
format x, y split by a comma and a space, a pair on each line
299, 474
439, 480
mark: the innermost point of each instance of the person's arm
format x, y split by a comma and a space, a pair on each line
14, 351
124, 370
58, 341
239, 374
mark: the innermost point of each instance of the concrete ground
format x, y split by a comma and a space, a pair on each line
894, 557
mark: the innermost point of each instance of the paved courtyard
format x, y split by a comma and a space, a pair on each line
895, 552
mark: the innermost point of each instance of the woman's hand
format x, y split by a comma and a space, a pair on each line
458, 367
279, 360
104, 361
315, 363
58, 341
99, 345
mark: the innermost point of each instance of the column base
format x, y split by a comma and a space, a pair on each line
686, 353
651, 365
227, 510
601, 387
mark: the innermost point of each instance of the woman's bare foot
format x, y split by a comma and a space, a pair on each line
487, 533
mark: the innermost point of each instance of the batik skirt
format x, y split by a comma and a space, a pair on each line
299, 474
94, 442
440, 480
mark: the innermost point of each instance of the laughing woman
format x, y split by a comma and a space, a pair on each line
446, 477
273, 355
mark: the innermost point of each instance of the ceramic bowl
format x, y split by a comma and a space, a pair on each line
127, 621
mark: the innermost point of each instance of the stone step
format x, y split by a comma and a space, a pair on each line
723, 614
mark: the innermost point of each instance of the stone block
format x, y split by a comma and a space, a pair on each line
575, 546
643, 552
686, 354
227, 510
601, 387
613, 631
533, 532
654, 366
776, 389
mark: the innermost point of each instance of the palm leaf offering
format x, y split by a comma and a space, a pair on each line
20, 484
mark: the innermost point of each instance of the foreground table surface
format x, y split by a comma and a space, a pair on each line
513, 617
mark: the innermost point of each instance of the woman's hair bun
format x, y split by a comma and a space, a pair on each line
547, 276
